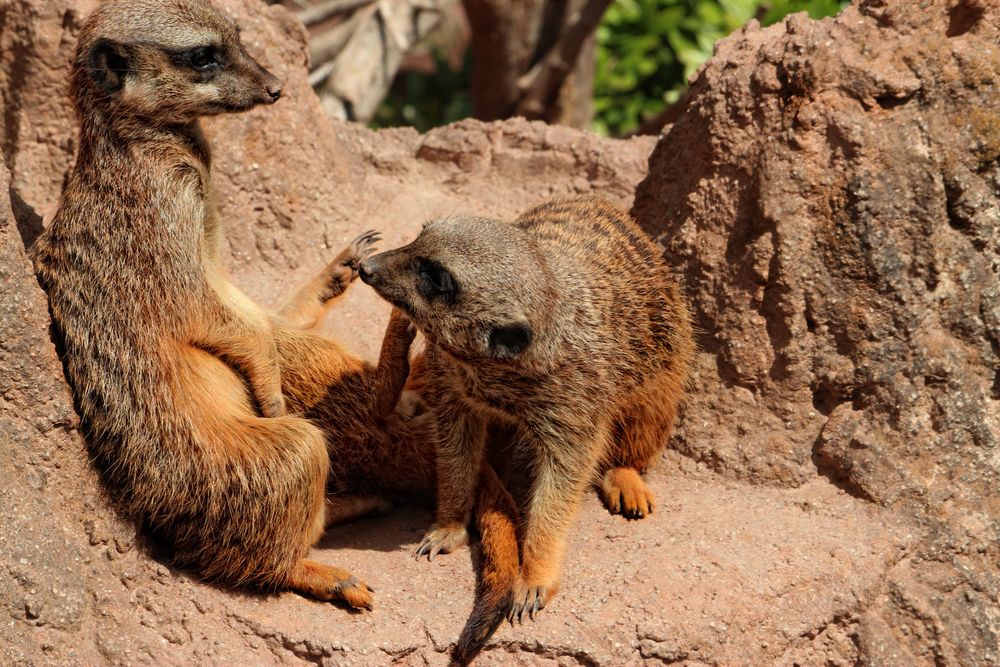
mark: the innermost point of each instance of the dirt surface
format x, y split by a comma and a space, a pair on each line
829, 199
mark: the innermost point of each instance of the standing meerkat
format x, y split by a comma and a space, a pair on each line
563, 327
180, 379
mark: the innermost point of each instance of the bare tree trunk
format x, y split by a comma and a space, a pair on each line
574, 104
504, 39
509, 39
356, 60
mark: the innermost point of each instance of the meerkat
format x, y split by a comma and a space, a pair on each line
566, 328
184, 385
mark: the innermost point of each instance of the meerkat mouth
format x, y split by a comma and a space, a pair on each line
457, 356
399, 302
218, 108
403, 305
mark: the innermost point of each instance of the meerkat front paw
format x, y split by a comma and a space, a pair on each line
442, 539
530, 596
360, 249
342, 271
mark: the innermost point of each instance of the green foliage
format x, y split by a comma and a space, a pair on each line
647, 49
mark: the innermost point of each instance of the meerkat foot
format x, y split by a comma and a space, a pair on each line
624, 492
325, 582
361, 248
442, 539
530, 597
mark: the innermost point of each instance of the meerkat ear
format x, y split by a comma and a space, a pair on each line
108, 63
510, 340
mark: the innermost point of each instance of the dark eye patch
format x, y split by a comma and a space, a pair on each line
433, 281
206, 59
508, 341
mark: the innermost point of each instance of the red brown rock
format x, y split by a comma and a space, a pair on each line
830, 199
833, 195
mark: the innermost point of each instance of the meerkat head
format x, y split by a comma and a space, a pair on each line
479, 288
166, 60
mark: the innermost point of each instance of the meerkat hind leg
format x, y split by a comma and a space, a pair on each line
641, 431
326, 582
624, 492
349, 507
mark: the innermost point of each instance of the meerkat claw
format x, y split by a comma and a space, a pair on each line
442, 540
366, 240
360, 249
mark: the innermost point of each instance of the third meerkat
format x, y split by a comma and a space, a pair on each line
566, 328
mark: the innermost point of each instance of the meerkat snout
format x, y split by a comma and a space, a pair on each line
367, 272
379, 268
274, 91
379, 273
271, 84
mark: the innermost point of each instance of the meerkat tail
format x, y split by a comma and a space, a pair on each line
496, 518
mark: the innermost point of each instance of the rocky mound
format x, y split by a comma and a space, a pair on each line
832, 195
829, 198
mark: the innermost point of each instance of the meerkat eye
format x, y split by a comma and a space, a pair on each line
433, 280
508, 341
204, 58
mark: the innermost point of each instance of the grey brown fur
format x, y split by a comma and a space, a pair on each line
565, 328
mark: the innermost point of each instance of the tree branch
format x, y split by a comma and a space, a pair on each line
543, 81
322, 11
325, 46
358, 78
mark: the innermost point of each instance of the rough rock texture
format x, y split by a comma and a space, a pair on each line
830, 199
833, 194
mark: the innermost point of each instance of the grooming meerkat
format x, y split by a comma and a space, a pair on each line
182, 382
565, 327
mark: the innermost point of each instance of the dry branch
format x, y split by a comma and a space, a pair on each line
353, 84
542, 82
326, 46
322, 11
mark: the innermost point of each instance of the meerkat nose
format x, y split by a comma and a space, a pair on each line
364, 272
274, 90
